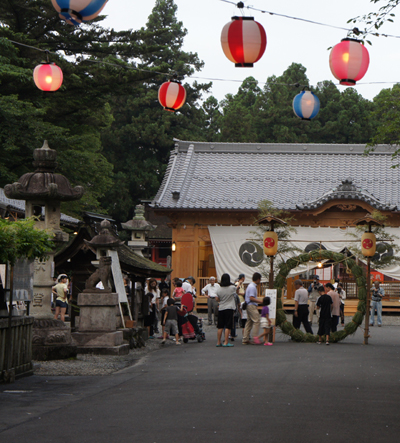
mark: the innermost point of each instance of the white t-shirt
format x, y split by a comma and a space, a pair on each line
156, 294
244, 313
187, 286
165, 302
211, 289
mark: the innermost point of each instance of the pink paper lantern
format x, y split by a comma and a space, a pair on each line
349, 61
172, 95
243, 41
48, 77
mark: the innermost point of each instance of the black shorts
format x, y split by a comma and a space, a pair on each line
225, 319
324, 326
61, 304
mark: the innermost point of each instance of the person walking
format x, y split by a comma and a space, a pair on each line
210, 291
240, 290
253, 316
301, 307
324, 304
313, 295
227, 306
335, 306
342, 296
376, 304
265, 321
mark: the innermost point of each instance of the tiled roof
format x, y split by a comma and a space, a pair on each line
202, 175
19, 205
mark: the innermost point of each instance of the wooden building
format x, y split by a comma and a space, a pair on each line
210, 185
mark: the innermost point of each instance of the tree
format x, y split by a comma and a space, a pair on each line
386, 115
73, 118
140, 138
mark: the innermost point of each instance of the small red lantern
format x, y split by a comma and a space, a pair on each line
48, 77
349, 61
172, 95
243, 41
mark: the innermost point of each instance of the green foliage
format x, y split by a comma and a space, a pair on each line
297, 334
20, 239
380, 259
265, 207
386, 114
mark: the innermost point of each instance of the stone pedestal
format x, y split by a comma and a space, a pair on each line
97, 330
52, 340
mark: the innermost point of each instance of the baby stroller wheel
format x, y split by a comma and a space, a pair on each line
185, 340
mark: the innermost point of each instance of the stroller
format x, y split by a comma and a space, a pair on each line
190, 327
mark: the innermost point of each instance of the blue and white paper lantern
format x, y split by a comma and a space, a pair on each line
306, 105
75, 12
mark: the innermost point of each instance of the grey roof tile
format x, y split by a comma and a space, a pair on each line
234, 175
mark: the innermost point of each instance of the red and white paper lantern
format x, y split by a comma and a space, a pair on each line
48, 77
349, 61
172, 95
243, 41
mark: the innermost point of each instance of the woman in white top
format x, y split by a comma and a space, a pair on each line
342, 295
226, 309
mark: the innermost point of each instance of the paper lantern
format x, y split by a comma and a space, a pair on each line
75, 12
243, 41
48, 77
306, 105
368, 244
349, 61
270, 241
172, 95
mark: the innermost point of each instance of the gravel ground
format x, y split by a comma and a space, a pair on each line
86, 364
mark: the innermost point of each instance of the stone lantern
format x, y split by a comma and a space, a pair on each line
43, 192
139, 228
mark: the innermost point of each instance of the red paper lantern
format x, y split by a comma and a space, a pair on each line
349, 61
243, 41
48, 77
172, 95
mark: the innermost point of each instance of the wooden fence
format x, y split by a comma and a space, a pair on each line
21, 345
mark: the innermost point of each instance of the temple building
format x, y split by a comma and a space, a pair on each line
211, 192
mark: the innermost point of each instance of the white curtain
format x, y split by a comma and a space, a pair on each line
229, 241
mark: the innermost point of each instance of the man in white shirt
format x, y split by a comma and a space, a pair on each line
301, 307
210, 291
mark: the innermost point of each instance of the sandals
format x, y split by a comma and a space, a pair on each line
229, 345
218, 346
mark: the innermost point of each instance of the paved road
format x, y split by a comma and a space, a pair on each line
288, 392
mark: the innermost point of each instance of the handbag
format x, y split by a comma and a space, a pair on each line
244, 306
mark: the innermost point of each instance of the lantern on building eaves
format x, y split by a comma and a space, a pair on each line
306, 105
172, 95
368, 244
349, 61
243, 41
48, 77
75, 12
270, 242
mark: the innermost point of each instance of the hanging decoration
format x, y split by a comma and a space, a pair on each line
270, 241
306, 105
48, 77
243, 41
368, 244
75, 12
172, 95
349, 61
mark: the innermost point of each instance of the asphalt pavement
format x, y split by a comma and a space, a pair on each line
289, 392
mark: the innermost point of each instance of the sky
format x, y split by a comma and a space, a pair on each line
288, 41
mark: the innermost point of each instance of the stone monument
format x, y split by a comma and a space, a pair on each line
43, 192
139, 227
97, 327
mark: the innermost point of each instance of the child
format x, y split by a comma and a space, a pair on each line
164, 301
243, 315
178, 291
171, 321
265, 321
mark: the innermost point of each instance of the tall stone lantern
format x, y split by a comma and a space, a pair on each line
139, 228
43, 192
